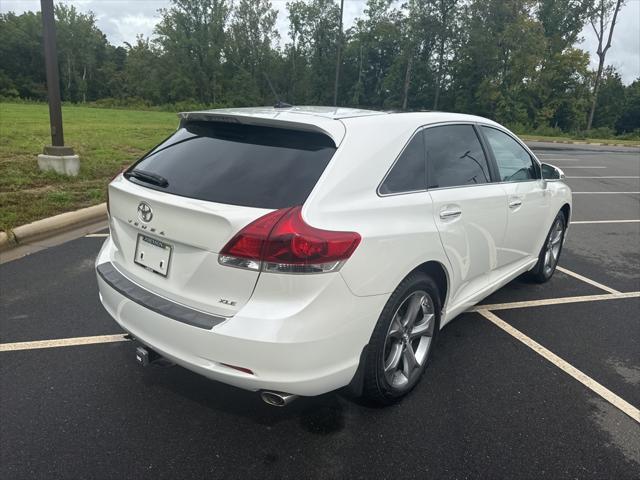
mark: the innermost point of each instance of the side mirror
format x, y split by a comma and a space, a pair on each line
551, 173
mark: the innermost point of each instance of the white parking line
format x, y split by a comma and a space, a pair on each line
587, 381
555, 301
582, 222
61, 342
96, 235
587, 280
581, 166
605, 193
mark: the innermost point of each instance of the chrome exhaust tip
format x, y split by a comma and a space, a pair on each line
277, 399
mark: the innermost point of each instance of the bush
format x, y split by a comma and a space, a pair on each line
185, 106
635, 135
136, 103
129, 103
519, 128
601, 132
547, 131
19, 100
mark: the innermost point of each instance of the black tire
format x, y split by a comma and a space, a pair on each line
376, 385
542, 271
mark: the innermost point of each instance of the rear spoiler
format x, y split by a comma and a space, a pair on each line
334, 129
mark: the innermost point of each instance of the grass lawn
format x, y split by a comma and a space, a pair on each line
106, 141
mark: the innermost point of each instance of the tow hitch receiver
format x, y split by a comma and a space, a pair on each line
145, 356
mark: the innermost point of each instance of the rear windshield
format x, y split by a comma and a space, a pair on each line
237, 164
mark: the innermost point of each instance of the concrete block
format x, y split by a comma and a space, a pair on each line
62, 164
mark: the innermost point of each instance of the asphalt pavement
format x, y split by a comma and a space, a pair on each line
491, 405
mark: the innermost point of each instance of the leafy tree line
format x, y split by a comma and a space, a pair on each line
516, 61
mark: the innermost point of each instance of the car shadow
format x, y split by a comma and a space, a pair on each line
320, 415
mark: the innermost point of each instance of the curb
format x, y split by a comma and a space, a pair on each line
51, 226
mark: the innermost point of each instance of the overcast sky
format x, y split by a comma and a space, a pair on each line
121, 20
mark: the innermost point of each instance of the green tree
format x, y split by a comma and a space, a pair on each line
497, 62
380, 37
22, 60
141, 72
81, 50
611, 99
629, 120
192, 36
447, 28
558, 95
315, 31
250, 51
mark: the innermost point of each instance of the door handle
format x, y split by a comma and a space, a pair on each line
515, 203
450, 213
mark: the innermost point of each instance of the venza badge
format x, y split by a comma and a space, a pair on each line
144, 212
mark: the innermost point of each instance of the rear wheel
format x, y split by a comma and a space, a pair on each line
402, 340
550, 253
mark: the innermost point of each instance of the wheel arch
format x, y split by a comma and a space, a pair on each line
440, 275
566, 210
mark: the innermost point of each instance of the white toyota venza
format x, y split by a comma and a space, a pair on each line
298, 250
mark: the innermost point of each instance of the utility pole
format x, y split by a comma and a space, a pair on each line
338, 59
55, 157
53, 80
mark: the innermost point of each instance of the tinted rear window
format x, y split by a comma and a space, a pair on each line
239, 164
409, 172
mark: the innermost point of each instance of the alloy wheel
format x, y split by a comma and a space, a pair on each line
554, 243
409, 339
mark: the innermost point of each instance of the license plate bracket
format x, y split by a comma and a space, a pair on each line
153, 254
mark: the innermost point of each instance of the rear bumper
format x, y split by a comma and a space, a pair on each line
295, 338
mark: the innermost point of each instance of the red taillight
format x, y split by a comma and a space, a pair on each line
281, 241
249, 242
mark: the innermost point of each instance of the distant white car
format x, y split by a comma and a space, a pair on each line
294, 251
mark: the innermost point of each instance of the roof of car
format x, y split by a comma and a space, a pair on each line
322, 119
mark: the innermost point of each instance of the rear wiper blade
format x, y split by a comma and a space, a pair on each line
148, 177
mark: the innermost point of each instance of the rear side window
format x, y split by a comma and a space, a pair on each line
238, 164
408, 174
455, 157
514, 162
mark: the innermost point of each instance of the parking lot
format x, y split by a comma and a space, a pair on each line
540, 381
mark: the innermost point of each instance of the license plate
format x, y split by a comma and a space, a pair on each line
153, 254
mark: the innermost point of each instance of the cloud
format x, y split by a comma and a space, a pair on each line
125, 29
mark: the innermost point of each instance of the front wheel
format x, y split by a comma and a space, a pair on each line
550, 253
402, 340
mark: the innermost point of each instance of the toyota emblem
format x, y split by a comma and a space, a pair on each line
145, 213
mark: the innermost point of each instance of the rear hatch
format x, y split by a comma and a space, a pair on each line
176, 208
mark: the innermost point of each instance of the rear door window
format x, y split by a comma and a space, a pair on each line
236, 164
514, 162
455, 157
408, 174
